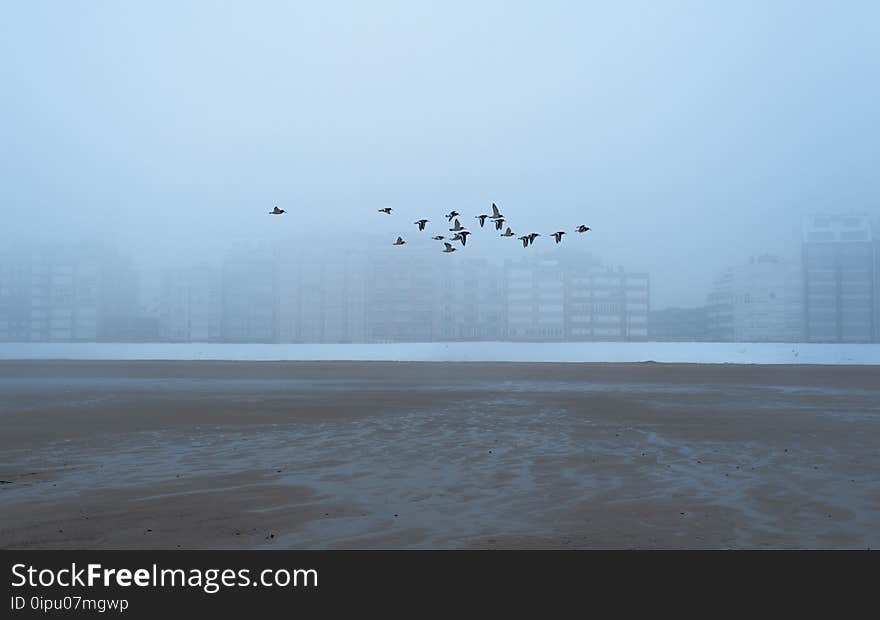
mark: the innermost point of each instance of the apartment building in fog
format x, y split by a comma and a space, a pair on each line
569, 297
535, 293
605, 304
321, 295
839, 279
81, 293
758, 301
469, 304
401, 291
876, 235
190, 304
249, 306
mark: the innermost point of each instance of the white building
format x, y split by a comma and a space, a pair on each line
570, 296
535, 292
759, 301
607, 305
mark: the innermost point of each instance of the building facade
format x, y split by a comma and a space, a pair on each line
839, 281
572, 297
249, 307
190, 305
759, 301
321, 295
535, 293
71, 294
876, 235
469, 304
604, 304
401, 291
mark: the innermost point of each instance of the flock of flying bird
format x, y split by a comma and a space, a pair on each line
461, 233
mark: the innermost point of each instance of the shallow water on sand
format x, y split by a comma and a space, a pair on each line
409, 462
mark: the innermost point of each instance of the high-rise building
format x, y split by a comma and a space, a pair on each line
620, 302
320, 295
604, 304
16, 314
637, 304
839, 279
876, 236
82, 293
248, 294
190, 305
401, 288
535, 291
470, 301
719, 309
570, 296
759, 301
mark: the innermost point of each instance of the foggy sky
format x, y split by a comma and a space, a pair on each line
687, 134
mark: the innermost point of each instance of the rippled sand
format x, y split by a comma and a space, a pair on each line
424, 455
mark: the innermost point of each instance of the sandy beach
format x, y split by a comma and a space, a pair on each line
152, 454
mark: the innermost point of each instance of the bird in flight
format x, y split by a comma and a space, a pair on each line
457, 226
461, 233
277, 211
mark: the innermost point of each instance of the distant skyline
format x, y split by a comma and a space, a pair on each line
150, 269
688, 135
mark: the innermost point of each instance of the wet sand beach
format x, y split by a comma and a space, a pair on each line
207, 454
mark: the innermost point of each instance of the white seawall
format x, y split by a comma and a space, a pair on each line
670, 352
